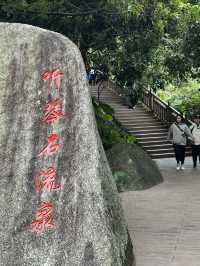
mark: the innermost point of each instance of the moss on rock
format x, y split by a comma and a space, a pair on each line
132, 167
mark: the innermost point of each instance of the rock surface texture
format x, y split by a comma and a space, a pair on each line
141, 171
89, 227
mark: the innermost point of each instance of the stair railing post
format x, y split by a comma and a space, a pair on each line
151, 99
168, 114
142, 96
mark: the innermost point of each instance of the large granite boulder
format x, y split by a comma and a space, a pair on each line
58, 203
132, 167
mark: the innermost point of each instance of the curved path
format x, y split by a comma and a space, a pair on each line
164, 221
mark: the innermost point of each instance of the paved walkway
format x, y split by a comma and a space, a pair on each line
164, 221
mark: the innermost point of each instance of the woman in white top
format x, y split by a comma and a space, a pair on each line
178, 133
195, 129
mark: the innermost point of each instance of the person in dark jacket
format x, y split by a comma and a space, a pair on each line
131, 98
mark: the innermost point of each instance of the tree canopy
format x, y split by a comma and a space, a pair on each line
139, 42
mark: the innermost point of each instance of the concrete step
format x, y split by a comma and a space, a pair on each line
147, 131
160, 151
156, 146
111, 101
106, 95
149, 139
167, 155
150, 127
131, 112
162, 155
142, 123
103, 91
125, 108
135, 108
162, 146
133, 116
108, 100
136, 120
161, 141
150, 135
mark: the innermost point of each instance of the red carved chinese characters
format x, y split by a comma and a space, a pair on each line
44, 218
50, 148
55, 77
52, 111
49, 180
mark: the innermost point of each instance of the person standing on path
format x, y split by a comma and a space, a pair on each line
178, 133
195, 129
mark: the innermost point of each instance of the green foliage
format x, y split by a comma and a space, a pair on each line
110, 130
130, 138
191, 45
121, 180
176, 56
185, 97
132, 41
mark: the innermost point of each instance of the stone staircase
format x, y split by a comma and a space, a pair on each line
150, 132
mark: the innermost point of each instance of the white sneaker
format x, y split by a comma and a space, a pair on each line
182, 167
178, 167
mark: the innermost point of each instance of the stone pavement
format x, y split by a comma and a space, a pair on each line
164, 221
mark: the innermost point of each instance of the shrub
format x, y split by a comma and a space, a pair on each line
110, 130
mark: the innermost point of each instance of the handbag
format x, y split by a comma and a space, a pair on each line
188, 140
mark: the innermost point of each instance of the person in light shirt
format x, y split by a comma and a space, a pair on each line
178, 134
195, 130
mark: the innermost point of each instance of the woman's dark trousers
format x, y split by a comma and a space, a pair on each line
195, 153
179, 153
